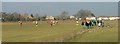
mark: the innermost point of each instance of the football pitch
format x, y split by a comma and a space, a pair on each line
63, 32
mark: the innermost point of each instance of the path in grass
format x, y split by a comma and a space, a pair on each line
106, 34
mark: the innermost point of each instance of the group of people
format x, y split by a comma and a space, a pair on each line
88, 23
52, 22
85, 23
36, 23
91, 23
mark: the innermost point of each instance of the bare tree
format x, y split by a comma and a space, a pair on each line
84, 13
64, 15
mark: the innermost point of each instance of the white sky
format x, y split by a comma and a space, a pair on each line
0, 6
60, 0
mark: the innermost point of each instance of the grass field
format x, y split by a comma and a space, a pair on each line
106, 34
13, 32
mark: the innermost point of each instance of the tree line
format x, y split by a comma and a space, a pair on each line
7, 17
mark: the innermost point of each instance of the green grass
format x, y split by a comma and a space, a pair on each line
12, 32
105, 34
29, 33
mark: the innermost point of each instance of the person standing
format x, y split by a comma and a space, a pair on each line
82, 23
51, 23
90, 24
77, 22
99, 25
36, 24
94, 22
56, 22
102, 24
20, 22
87, 24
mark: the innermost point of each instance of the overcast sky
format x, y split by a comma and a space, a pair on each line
0, 6
59, 0
55, 8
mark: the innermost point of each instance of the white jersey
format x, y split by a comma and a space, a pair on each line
53, 21
99, 24
36, 22
77, 22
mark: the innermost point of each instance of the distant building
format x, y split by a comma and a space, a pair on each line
99, 18
30, 17
72, 17
114, 18
103, 18
109, 17
90, 18
49, 18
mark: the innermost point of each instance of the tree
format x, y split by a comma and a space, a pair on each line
32, 15
64, 15
83, 14
36, 16
16, 16
26, 17
92, 15
43, 17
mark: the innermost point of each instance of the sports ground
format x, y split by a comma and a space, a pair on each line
65, 31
